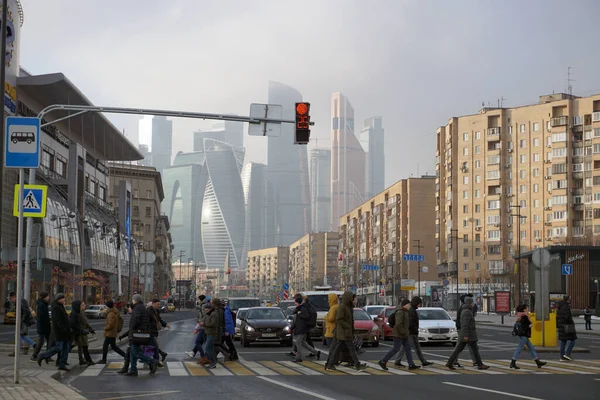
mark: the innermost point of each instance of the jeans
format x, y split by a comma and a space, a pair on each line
300, 342
588, 324
28, 340
40, 343
210, 349
155, 345
416, 346
460, 346
398, 344
200, 340
563, 344
62, 348
112, 342
524, 340
337, 347
137, 354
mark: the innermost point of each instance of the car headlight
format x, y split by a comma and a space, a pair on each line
422, 330
374, 328
286, 329
452, 330
249, 328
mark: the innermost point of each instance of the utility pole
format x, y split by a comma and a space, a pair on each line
181, 253
418, 247
519, 271
3, 122
454, 235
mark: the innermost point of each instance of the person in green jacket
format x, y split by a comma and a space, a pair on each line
467, 335
211, 328
344, 333
400, 332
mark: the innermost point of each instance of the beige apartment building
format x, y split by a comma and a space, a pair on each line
267, 270
400, 220
313, 261
514, 179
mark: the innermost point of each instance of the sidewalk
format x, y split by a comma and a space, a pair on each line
95, 345
35, 383
509, 321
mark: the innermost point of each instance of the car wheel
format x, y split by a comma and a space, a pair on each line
244, 342
14, 141
28, 141
376, 344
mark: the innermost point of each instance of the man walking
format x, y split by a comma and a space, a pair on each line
155, 322
61, 330
467, 335
211, 327
26, 321
344, 333
139, 323
112, 327
413, 337
401, 333
43, 324
200, 333
302, 327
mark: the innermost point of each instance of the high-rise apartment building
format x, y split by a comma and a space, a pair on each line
347, 161
399, 220
373, 143
287, 170
320, 189
313, 261
510, 180
156, 141
267, 268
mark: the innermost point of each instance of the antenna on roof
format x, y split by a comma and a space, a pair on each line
502, 101
569, 80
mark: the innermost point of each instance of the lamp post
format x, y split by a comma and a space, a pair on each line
418, 247
181, 253
519, 269
597, 282
453, 236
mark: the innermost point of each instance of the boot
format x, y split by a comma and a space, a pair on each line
204, 361
235, 355
539, 363
125, 368
513, 364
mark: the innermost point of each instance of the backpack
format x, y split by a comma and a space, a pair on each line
312, 322
119, 324
517, 328
392, 320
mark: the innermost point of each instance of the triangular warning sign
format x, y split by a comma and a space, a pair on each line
30, 202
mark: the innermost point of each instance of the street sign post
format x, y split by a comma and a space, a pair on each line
541, 259
33, 201
414, 257
567, 269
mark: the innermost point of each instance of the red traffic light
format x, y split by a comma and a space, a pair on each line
302, 108
302, 134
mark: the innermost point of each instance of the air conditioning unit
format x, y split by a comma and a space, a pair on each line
510, 150
496, 225
548, 223
547, 208
547, 177
549, 238
547, 161
538, 240
549, 146
477, 228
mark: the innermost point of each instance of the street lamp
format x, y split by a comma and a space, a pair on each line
519, 270
418, 247
597, 282
181, 253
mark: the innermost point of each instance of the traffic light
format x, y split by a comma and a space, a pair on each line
302, 135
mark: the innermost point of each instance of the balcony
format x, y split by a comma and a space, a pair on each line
494, 131
498, 271
559, 121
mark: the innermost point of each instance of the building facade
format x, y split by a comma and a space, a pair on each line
373, 142
347, 161
156, 141
320, 189
313, 262
509, 180
287, 170
399, 220
260, 215
267, 268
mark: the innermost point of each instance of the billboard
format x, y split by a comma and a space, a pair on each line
436, 296
14, 13
502, 302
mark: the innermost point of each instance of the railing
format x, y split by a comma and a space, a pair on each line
559, 121
494, 131
596, 116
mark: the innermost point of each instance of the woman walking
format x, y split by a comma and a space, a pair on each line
566, 328
81, 329
522, 329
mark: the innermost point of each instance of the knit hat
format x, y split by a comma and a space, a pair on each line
137, 298
59, 296
110, 304
43, 295
208, 305
469, 301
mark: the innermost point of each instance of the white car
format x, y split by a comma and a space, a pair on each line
241, 313
436, 326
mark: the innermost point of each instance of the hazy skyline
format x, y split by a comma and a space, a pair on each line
415, 63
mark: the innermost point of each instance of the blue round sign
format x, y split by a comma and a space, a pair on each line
446, 282
286, 286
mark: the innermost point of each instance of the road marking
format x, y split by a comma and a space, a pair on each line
221, 370
518, 396
93, 370
259, 369
115, 365
239, 369
141, 395
280, 369
196, 369
296, 389
574, 371
574, 365
300, 368
320, 366
533, 367
176, 368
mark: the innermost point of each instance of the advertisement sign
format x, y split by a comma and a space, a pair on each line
436, 296
408, 284
13, 39
503, 302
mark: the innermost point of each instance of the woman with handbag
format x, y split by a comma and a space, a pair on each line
522, 329
566, 328
81, 329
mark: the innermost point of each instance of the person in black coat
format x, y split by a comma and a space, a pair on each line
155, 321
139, 323
522, 329
62, 334
566, 328
413, 330
43, 324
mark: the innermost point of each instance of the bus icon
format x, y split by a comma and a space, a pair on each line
28, 137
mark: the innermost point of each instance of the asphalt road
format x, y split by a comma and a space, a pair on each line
265, 372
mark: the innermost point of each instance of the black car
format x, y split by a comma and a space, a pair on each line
265, 325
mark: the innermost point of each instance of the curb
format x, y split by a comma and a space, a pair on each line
52, 379
508, 326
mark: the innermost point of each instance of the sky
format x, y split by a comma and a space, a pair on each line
415, 63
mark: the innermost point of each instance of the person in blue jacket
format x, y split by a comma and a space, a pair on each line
230, 333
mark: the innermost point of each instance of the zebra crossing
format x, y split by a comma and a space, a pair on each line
316, 368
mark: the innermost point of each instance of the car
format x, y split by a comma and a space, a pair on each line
289, 312
239, 316
319, 299
436, 326
265, 325
96, 311
365, 327
235, 303
284, 304
385, 332
374, 310
171, 307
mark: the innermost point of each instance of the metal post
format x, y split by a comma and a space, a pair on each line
138, 273
454, 235
130, 268
2, 113
119, 285
19, 268
28, 242
541, 305
419, 247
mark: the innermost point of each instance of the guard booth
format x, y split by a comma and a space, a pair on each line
573, 270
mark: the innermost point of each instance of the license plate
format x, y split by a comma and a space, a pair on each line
439, 336
269, 334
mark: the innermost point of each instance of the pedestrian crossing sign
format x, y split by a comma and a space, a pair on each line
33, 201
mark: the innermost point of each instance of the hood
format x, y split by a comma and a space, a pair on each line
347, 298
76, 305
333, 299
112, 310
268, 323
40, 302
437, 323
414, 303
218, 303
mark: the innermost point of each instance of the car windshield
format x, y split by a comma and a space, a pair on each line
362, 315
428, 315
94, 308
242, 314
266, 313
236, 304
374, 311
290, 310
285, 304
389, 312
320, 302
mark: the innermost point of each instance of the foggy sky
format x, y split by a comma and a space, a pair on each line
416, 63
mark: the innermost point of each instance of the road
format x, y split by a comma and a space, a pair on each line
265, 373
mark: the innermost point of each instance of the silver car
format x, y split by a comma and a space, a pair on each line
96, 312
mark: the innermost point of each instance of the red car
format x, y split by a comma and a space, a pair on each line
385, 332
365, 327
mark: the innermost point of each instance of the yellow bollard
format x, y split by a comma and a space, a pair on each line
551, 339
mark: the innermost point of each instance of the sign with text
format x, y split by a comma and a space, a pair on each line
502, 302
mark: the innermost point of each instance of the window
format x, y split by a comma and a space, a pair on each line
477, 178
493, 219
509, 128
556, 200
47, 159
478, 237
477, 266
577, 120
136, 193
465, 151
494, 174
536, 203
559, 215
477, 164
523, 143
523, 158
536, 126
536, 187
509, 175
559, 137
148, 228
477, 149
493, 235
577, 167
536, 172
493, 160
465, 180
536, 218
136, 211
523, 203
477, 193
477, 252
493, 205
148, 194
523, 234
522, 128
559, 184
560, 168
596, 132
465, 223
466, 267
536, 142
478, 135
465, 209
536, 157
559, 152
559, 231
477, 208
596, 180
466, 238
465, 252
596, 197
465, 194
596, 148
494, 250
148, 211
522, 188
578, 151
465, 137
522, 174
